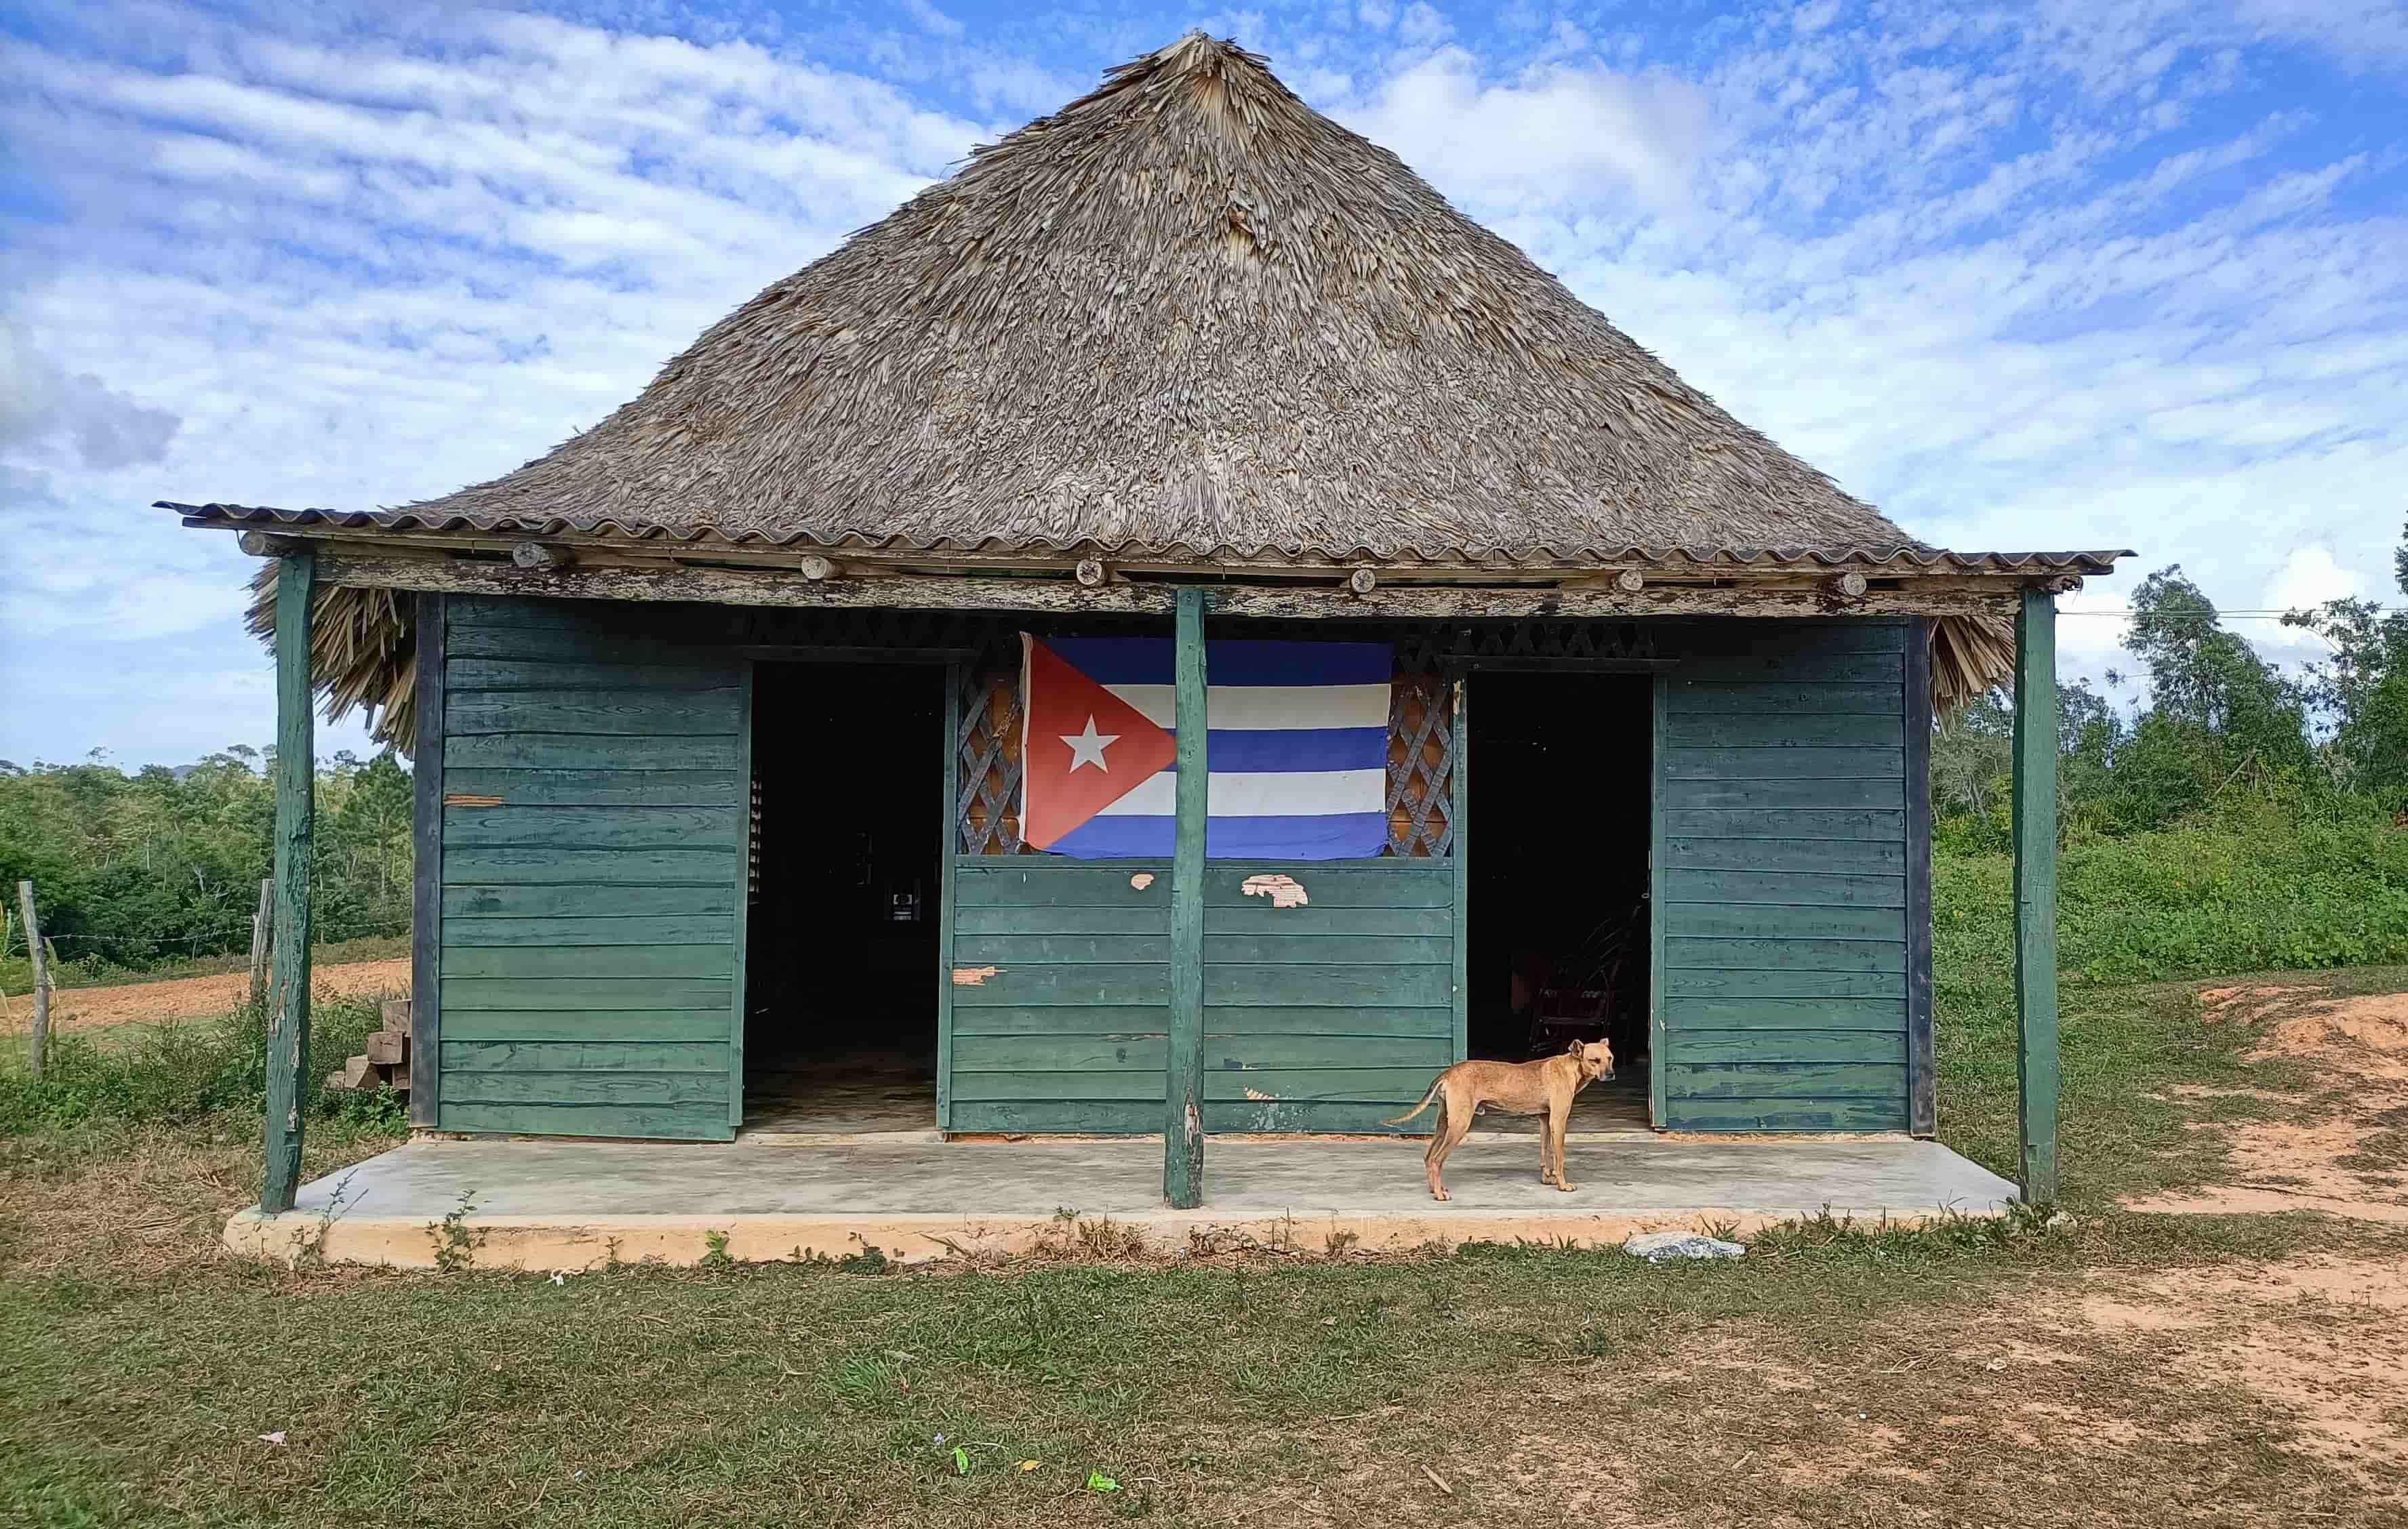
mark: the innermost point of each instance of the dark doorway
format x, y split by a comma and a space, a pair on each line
1562, 781
841, 977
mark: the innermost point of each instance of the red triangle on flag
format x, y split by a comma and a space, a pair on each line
1081, 749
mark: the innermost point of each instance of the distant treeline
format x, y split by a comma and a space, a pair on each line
2221, 726
136, 871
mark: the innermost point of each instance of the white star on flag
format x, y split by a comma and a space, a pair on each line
1087, 747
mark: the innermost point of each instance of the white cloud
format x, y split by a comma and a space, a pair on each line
2309, 577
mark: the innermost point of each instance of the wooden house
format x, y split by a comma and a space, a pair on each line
720, 724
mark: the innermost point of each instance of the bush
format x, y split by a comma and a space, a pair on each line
180, 1073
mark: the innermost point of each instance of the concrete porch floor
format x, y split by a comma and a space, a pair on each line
572, 1205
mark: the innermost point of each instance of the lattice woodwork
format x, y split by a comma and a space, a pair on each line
987, 736
1421, 762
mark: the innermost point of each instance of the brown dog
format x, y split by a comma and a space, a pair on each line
1544, 1087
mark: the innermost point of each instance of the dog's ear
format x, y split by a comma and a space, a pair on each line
1575, 1048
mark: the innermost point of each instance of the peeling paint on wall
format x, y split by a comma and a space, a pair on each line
1141, 880
1284, 891
970, 977
1259, 1095
464, 799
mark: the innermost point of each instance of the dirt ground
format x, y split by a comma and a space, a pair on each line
2339, 1145
197, 997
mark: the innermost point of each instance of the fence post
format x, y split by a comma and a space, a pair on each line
262, 924
35, 949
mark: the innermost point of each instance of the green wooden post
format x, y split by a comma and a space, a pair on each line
288, 1015
2035, 791
1183, 1095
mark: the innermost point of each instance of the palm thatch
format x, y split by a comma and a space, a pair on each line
363, 653
1185, 319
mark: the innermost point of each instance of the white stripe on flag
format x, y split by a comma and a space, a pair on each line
1267, 708
1302, 793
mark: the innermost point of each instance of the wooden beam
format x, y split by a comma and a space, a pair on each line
1053, 593
1183, 1127
426, 888
2035, 832
1922, 1077
288, 1015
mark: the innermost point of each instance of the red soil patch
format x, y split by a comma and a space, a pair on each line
197, 997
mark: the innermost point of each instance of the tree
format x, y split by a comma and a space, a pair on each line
2360, 692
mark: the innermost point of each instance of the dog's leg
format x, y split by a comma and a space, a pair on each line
1453, 1125
1560, 1123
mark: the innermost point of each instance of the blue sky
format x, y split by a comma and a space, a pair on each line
2080, 274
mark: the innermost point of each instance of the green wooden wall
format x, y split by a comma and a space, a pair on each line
1781, 840
594, 784
1322, 1017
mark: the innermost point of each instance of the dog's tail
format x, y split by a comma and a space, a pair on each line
1417, 1108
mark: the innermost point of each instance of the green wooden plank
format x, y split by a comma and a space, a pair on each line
1412, 987
1768, 920
1693, 983
1421, 884
594, 827
1327, 1020
1709, 698
1333, 1117
475, 640
600, 993
1315, 950
586, 900
474, 866
1708, 1013
601, 787
631, 712
1851, 824
1805, 1080
1059, 949
699, 625
593, 960
1046, 919
1810, 733
1793, 636
1797, 1115
1757, 1046
1794, 668
1039, 1117
1126, 1019
600, 1056
1659, 708
585, 1087
673, 1025
1396, 1086
524, 674
1867, 857
1794, 791
1833, 763
1182, 1129
1259, 916
1786, 955
1008, 881
2035, 834
520, 750
1013, 987
665, 929
1801, 888
288, 1004
705, 1122
1222, 1053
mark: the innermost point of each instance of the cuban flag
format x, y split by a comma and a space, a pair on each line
1298, 750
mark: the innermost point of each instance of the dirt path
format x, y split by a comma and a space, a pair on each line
197, 997
2342, 1149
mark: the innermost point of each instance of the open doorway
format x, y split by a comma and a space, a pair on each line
841, 977
1561, 787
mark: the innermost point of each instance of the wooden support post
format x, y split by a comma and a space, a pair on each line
288, 1016
262, 922
1183, 1125
2035, 828
39, 1052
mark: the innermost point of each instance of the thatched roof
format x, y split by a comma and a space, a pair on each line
1184, 319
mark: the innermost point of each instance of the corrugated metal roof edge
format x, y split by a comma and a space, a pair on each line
613, 528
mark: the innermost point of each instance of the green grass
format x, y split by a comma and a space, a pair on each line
17, 971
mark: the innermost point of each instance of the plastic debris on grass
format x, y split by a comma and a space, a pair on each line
1664, 1247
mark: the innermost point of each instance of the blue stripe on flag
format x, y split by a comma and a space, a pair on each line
1289, 749
1148, 661
1339, 835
